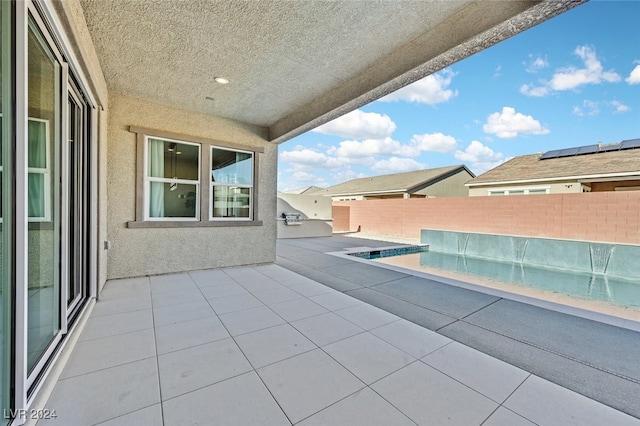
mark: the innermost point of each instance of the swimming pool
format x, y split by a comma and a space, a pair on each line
558, 287
524, 279
389, 252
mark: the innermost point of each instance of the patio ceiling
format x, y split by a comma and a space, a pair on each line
292, 65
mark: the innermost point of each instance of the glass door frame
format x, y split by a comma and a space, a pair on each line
27, 384
24, 13
80, 199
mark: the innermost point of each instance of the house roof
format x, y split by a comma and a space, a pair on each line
530, 167
292, 66
304, 190
394, 183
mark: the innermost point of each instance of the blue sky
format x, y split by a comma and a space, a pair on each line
570, 81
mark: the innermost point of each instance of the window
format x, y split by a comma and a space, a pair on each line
536, 191
231, 184
185, 181
172, 180
39, 171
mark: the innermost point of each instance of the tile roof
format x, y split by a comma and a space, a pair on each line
397, 182
530, 167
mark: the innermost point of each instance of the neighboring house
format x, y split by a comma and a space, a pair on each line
125, 153
439, 182
304, 190
591, 168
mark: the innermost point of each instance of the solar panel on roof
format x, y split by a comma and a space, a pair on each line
568, 152
589, 149
630, 144
610, 147
550, 154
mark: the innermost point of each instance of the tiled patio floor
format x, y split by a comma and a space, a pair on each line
265, 346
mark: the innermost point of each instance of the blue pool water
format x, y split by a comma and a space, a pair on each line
390, 252
613, 290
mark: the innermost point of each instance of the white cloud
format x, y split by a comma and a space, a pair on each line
307, 157
359, 125
619, 107
396, 165
302, 165
634, 77
300, 178
508, 124
536, 91
346, 174
482, 158
434, 142
535, 64
430, 90
592, 108
372, 147
588, 108
351, 150
570, 78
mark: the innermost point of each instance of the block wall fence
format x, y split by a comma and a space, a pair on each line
597, 216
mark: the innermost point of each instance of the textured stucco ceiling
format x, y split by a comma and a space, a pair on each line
292, 64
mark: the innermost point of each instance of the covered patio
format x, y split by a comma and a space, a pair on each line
267, 345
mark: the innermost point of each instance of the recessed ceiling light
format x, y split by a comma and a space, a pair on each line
221, 80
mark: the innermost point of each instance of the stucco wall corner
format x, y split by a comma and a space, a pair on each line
72, 19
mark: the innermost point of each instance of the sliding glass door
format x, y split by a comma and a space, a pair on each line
45, 201
79, 179
43, 197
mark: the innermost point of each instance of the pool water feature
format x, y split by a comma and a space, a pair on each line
594, 276
520, 278
620, 260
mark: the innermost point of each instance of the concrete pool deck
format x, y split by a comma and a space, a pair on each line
591, 358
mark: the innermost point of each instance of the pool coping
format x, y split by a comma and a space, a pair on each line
626, 323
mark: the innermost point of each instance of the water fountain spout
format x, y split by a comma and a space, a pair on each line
519, 248
463, 240
600, 256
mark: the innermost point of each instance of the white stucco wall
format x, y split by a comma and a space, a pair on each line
137, 252
316, 215
564, 187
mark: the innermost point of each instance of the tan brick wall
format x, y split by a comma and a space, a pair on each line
597, 216
340, 218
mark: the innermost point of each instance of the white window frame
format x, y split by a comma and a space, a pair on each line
213, 184
528, 191
205, 203
507, 191
148, 179
46, 172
